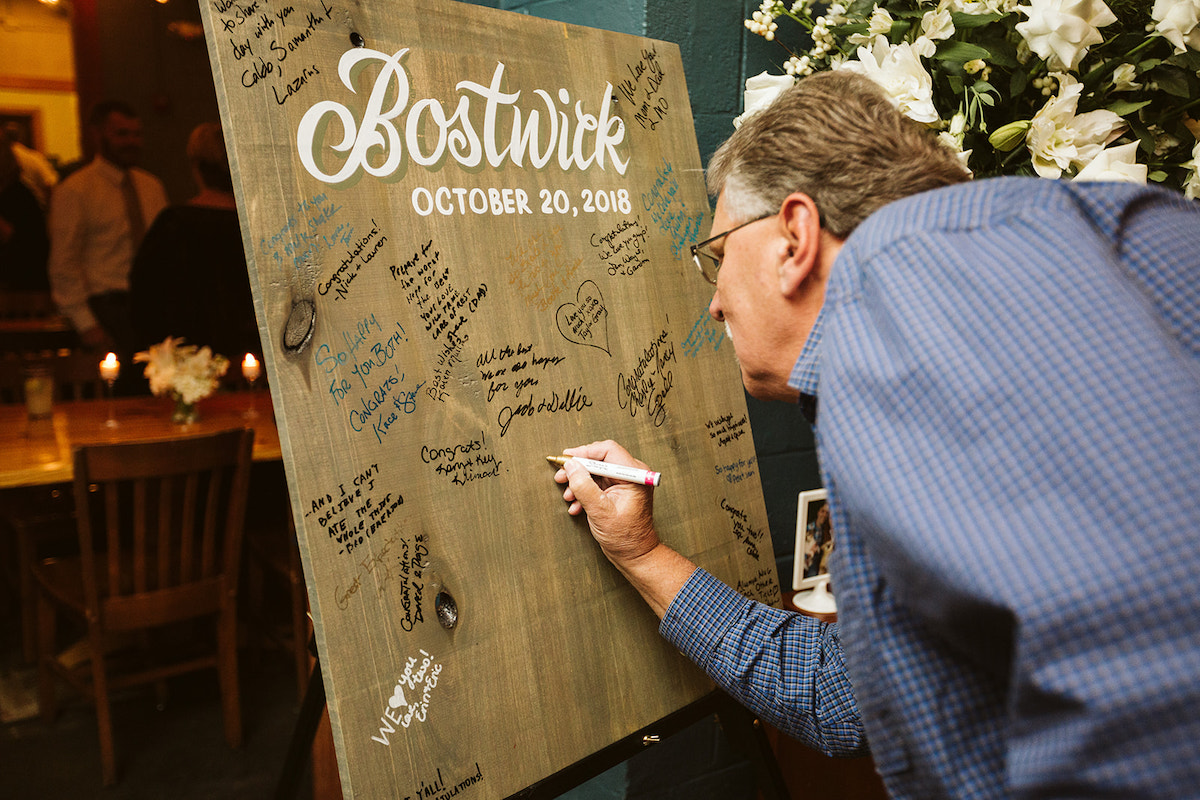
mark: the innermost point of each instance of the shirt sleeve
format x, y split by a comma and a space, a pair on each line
788, 668
68, 285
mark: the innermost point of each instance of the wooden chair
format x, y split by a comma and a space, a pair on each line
160, 540
76, 375
43, 518
26, 304
273, 552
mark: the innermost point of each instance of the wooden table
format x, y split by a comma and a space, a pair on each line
38, 452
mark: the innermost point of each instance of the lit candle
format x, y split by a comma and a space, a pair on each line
110, 367
250, 368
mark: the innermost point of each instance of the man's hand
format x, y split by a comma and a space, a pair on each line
620, 514
621, 518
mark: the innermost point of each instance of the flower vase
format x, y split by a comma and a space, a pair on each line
184, 413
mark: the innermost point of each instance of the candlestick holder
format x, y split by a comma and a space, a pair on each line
110, 368
251, 372
111, 422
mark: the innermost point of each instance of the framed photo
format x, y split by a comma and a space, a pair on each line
22, 125
814, 540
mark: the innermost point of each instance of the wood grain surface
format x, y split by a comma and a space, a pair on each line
468, 239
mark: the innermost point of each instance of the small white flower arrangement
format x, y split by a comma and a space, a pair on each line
1079, 89
184, 371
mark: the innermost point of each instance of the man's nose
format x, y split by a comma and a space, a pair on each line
714, 308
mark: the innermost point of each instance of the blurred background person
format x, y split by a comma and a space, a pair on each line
24, 245
189, 277
98, 216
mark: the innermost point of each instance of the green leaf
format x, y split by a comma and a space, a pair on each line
1003, 53
1123, 108
1172, 81
985, 87
861, 8
1016, 86
1145, 137
1189, 59
961, 52
899, 29
956, 83
963, 20
986, 99
1158, 176
842, 31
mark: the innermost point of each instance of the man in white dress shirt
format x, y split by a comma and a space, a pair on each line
98, 216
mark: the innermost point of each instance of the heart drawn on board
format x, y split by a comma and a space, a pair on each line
586, 320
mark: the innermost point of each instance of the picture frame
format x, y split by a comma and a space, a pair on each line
814, 540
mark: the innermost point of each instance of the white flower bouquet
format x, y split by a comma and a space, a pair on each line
184, 371
1076, 89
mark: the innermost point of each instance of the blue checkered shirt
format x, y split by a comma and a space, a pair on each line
1009, 430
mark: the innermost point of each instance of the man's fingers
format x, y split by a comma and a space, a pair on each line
607, 450
582, 486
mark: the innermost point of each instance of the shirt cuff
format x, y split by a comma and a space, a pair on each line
700, 616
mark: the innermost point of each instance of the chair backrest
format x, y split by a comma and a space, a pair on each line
12, 379
22, 304
160, 526
76, 375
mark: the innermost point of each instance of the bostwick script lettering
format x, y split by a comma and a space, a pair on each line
429, 133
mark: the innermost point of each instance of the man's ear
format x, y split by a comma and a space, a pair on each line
802, 229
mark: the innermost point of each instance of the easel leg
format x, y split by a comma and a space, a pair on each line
747, 735
302, 735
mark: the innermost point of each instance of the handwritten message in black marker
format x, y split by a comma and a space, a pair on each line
514, 374
463, 462
444, 309
262, 40
586, 320
622, 249
395, 564
761, 587
355, 258
737, 471
449, 357
641, 88
726, 430
355, 511
645, 388
749, 536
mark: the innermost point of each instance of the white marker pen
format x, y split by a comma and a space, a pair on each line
615, 471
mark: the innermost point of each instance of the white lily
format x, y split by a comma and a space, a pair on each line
761, 91
1115, 164
1061, 31
1060, 139
1179, 22
1191, 189
898, 70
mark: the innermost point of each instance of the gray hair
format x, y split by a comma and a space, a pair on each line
837, 138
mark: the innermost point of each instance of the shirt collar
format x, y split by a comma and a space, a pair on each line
109, 170
806, 370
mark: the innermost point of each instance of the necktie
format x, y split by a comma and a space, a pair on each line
133, 210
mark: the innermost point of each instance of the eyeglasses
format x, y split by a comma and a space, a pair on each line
706, 261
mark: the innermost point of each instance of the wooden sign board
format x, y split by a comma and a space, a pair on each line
468, 239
